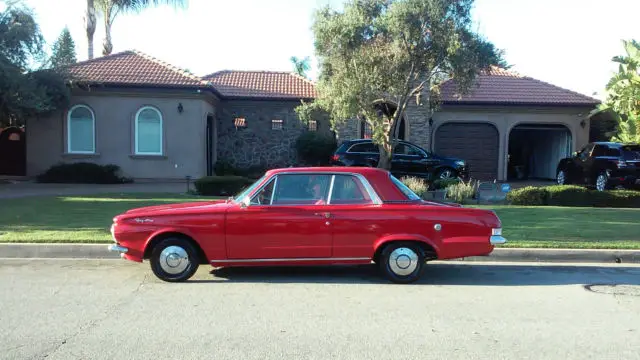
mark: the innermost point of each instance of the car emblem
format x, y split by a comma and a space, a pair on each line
140, 221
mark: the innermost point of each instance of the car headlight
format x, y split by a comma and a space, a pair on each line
459, 163
496, 232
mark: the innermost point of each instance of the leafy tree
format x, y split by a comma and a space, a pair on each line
24, 91
301, 66
64, 50
110, 9
623, 94
378, 52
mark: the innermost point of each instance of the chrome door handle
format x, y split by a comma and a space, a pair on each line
326, 214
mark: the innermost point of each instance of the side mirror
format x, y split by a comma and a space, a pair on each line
575, 153
246, 201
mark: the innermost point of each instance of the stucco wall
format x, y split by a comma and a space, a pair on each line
184, 148
258, 144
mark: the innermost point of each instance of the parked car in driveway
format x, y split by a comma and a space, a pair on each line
603, 165
408, 160
307, 216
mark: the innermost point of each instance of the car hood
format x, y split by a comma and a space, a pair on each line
175, 208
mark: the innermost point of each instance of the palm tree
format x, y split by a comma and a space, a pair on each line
109, 10
90, 25
301, 66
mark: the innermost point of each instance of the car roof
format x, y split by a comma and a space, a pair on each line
362, 170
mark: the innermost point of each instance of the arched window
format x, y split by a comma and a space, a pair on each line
148, 131
81, 130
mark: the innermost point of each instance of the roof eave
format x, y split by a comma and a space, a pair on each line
520, 103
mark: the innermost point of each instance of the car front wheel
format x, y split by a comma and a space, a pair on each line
601, 181
174, 260
402, 262
446, 174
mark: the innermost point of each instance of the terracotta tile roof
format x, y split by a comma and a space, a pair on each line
261, 84
133, 68
500, 86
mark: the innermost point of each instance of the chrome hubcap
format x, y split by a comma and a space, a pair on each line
445, 174
601, 182
403, 261
561, 178
174, 259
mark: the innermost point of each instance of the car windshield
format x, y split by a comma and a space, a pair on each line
405, 190
631, 152
248, 190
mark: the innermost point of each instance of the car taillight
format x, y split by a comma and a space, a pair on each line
335, 157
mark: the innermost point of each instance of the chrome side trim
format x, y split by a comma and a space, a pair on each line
291, 259
273, 192
118, 248
333, 179
497, 239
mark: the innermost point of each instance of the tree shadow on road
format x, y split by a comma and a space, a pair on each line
435, 274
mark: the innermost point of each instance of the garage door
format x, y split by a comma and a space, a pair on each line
475, 143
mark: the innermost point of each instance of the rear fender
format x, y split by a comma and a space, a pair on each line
381, 242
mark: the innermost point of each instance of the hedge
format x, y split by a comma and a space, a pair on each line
221, 185
83, 172
575, 196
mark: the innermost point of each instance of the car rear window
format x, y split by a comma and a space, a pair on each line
405, 190
631, 152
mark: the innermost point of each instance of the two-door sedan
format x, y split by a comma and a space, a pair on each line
307, 216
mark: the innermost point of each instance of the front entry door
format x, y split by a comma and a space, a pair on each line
285, 220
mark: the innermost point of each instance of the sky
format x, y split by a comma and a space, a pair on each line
568, 43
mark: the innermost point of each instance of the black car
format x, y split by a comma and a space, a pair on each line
603, 165
408, 160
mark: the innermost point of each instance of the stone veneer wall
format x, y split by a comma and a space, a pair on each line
257, 144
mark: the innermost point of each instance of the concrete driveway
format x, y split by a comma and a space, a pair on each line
113, 309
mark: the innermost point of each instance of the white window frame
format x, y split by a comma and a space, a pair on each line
136, 132
69, 132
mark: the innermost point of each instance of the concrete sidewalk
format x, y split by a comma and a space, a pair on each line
99, 251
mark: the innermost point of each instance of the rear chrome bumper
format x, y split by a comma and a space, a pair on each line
118, 248
497, 239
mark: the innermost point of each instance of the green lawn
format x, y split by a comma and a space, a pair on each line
87, 219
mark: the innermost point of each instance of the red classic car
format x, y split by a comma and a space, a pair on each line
307, 216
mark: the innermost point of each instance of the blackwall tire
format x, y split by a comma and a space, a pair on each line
174, 260
402, 262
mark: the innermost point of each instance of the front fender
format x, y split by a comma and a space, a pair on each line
405, 237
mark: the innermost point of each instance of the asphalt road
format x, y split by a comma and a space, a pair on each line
113, 309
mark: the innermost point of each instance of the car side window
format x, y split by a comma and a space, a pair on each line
599, 150
406, 149
301, 189
347, 189
586, 151
364, 148
265, 195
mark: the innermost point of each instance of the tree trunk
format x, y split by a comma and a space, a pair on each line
107, 46
384, 162
90, 24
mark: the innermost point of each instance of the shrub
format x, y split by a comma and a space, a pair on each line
225, 168
461, 191
221, 185
83, 172
417, 185
444, 183
314, 148
575, 196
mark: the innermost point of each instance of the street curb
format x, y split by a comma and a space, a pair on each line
99, 251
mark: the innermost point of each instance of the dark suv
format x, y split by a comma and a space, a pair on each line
408, 160
603, 165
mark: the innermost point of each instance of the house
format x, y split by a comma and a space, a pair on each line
508, 126
157, 121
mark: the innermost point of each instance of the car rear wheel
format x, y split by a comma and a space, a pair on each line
561, 178
174, 260
402, 262
601, 181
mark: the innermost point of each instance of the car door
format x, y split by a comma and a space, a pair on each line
412, 161
354, 218
285, 219
577, 171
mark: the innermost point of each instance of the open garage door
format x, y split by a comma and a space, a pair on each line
476, 143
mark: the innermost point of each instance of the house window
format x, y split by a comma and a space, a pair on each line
148, 131
365, 130
240, 122
276, 124
81, 130
313, 125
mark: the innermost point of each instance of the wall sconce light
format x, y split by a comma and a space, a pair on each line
180, 108
430, 121
583, 123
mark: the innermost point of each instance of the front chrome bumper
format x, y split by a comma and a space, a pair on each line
497, 240
118, 248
